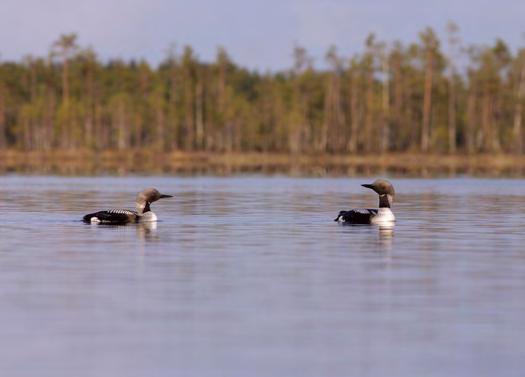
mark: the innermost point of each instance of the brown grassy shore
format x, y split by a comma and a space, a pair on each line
86, 162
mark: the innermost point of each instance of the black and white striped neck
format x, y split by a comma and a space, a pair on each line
385, 201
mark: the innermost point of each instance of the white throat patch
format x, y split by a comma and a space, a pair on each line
384, 216
148, 216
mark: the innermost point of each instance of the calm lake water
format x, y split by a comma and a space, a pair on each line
250, 276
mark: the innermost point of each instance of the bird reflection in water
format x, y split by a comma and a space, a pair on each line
386, 235
147, 231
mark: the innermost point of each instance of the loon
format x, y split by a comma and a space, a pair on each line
143, 212
382, 215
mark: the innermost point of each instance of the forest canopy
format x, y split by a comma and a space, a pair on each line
427, 96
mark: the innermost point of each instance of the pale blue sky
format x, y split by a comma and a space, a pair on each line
257, 34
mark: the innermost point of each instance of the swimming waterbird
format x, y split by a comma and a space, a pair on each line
142, 213
382, 215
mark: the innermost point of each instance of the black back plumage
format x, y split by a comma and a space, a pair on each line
113, 217
356, 216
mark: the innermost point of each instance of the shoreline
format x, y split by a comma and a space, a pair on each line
85, 162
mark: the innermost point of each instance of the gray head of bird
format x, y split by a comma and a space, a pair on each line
384, 189
148, 196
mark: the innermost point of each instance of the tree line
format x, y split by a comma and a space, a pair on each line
426, 96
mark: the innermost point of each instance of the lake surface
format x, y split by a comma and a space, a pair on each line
250, 276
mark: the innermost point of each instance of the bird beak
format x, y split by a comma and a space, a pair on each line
368, 186
165, 196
